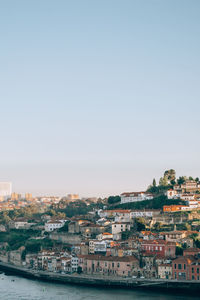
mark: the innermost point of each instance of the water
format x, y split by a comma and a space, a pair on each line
15, 288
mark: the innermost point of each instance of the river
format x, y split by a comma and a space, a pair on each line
15, 288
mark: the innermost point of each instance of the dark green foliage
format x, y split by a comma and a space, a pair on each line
64, 228
17, 238
181, 180
197, 243
179, 250
79, 270
114, 199
126, 235
140, 224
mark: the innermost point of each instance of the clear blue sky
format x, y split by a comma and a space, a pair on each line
98, 97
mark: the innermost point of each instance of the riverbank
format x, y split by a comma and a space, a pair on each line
128, 283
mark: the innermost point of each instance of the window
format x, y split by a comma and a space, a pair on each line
184, 266
179, 266
197, 270
118, 265
113, 265
174, 266
192, 270
192, 277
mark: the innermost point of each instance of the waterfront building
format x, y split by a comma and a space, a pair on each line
111, 265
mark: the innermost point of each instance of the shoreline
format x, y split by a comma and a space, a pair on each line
100, 281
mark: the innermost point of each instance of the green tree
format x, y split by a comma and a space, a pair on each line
181, 180
140, 224
114, 199
163, 181
179, 251
170, 175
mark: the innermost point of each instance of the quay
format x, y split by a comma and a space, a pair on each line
191, 287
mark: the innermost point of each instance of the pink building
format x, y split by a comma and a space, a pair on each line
112, 265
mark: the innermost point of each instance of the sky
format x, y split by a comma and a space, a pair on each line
98, 97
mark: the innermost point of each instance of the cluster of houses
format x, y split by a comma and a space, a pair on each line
188, 192
106, 242
97, 245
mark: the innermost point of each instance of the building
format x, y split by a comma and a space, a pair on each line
109, 265
73, 197
175, 208
181, 267
5, 190
159, 247
15, 196
74, 264
52, 225
120, 227
28, 196
135, 197
165, 271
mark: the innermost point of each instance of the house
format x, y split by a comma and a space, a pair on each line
165, 271
144, 213
173, 194
54, 224
191, 252
104, 235
66, 264
120, 227
175, 208
73, 227
173, 236
20, 223
74, 264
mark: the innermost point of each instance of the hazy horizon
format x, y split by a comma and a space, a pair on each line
98, 98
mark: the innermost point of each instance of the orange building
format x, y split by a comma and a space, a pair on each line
173, 208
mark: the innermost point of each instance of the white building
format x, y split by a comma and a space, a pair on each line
74, 264
173, 194
120, 227
135, 197
52, 225
5, 190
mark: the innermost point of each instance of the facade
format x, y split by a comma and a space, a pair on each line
165, 271
144, 213
135, 197
159, 247
52, 225
111, 266
120, 227
173, 208
181, 267
74, 264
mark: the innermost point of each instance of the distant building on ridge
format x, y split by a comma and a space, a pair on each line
5, 190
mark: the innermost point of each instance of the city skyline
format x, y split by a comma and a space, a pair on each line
98, 98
